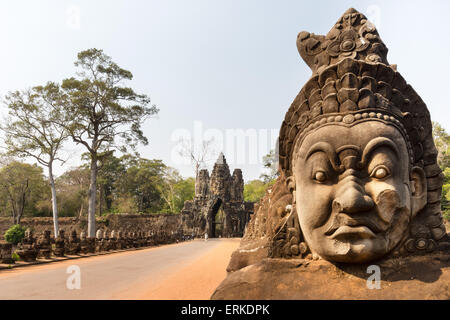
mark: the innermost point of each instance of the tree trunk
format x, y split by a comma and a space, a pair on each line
92, 197
80, 215
54, 205
22, 204
197, 165
13, 214
100, 200
13, 209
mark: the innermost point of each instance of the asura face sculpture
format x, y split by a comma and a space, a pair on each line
355, 190
356, 150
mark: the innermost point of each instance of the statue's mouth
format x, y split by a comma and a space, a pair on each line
343, 225
346, 232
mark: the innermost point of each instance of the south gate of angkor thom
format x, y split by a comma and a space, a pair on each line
218, 207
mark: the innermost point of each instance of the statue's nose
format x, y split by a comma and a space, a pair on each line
352, 198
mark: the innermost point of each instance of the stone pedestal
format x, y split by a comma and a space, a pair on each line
91, 245
60, 244
73, 246
44, 244
5, 253
420, 277
28, 250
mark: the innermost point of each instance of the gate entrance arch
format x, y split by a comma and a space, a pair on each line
218, 208
213, 220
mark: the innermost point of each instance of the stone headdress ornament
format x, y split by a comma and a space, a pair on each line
353, 82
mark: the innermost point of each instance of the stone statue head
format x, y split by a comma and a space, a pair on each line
28, 233
357, 152
99, 234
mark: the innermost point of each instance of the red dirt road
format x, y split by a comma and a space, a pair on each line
198, 280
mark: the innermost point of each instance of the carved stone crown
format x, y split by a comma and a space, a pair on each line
351, 75
353, 36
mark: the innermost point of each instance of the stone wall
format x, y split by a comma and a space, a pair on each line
125, 222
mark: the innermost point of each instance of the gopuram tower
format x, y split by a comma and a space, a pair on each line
218, 207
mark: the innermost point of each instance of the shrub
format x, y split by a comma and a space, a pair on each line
15, 234
446, 215
15, 256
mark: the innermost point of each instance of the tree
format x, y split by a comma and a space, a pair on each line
72, 187
175, 190
445, 201
167, 188
31, 131
141, 182
184, 190
136, 187
254, 190
111, 169
198, 157
442, 142
101, 114
270, 163
21, 186
133, 184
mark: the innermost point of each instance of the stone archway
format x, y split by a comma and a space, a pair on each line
215, 205
218, 208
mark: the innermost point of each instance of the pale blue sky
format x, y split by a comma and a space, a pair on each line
229, 64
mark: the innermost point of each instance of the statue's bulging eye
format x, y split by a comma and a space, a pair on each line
380, 172
320, 176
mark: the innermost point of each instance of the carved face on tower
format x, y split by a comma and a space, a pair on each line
357, 152
355, 191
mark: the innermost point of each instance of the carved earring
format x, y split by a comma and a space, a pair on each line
290, 183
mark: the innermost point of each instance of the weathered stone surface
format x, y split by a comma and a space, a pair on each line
267, 231
420, 277
248, 254
44, 244
220, 191
85, 245
6, 253
60, 244
73, 245
167, 222
27, 249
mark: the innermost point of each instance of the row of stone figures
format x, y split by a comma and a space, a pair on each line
32, 248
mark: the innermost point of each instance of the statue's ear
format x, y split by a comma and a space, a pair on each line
290, 183
418, 190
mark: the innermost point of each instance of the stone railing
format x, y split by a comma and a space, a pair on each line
46, 247
150, 222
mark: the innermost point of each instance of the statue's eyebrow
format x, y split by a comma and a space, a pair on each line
326, 148
377, 143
